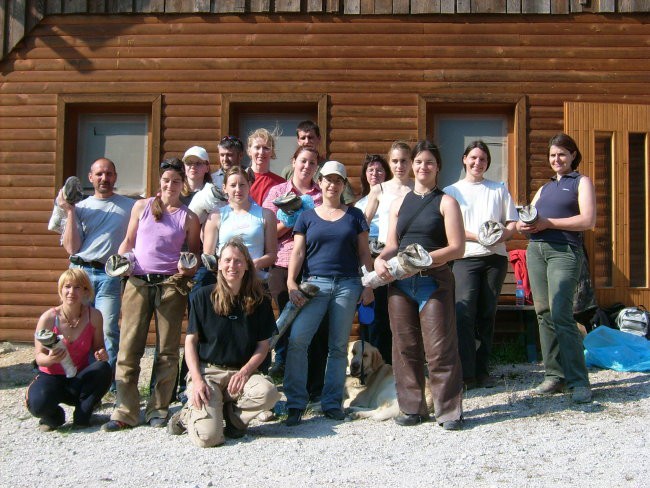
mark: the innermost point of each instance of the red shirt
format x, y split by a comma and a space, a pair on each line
262, 184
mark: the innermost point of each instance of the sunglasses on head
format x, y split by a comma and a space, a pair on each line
230, 138
175, 165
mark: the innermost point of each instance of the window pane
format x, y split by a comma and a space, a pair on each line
122, 138
285, 143
454, 132
603, 259
637, 206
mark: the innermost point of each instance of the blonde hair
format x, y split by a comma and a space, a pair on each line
251, 293
76, 276
266, 136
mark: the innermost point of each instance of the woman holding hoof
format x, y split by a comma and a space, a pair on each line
83, 385
566, 207
421, 307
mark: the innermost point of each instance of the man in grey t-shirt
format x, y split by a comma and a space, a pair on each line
94, 230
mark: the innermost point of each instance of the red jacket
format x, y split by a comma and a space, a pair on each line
518, 259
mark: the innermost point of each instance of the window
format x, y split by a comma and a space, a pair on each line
453, 121
123, 128
243, 113
122, 138
613, 139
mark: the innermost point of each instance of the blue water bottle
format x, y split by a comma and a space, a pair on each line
520, 295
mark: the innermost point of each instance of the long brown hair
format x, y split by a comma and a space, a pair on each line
251, 293
173, 164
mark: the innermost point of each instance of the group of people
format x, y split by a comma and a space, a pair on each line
427, 324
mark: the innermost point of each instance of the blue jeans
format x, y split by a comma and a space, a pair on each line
108, 299
553, 271
418, 288
338, 297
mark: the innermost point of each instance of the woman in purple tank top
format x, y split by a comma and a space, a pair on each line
158, 229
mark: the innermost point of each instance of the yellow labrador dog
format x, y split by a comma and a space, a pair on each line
377, 400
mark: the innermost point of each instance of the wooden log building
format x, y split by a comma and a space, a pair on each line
146, 79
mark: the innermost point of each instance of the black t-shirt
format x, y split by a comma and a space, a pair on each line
228, 340
428, 227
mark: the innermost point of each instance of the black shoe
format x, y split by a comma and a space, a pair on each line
408, 419
452, 424
231, 431
294, 417
334, 414
277, 369
486, 381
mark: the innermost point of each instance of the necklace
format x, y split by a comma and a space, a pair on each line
71, 324
422, 195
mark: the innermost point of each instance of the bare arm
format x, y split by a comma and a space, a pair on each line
211, 233
372, 204
367, 295
46, 357
239, 379
71, 239
270, 241
98, 336
295, 265
455, 231
129, 240
392, 245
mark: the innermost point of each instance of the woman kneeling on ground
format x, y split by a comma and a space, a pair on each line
81, 328
228, 335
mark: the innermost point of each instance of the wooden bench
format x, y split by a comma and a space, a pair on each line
525, 314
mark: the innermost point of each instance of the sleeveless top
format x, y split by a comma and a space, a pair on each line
249, 226
559, 199
158, 244
79, 349
428, 228
383, 210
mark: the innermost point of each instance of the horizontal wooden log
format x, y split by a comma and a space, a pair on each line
193, 123
29, 252
22, 228
183, 110
28, 122
40, 241
23, 310
27, 181
43, 205
27, 169
32, 299
46, 288
32, 264
27, 158
30, 134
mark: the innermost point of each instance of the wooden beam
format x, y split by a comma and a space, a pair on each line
333, 6
16, 22
53, 6
3, 16
149, 6
75, 7
230, 6
287, 5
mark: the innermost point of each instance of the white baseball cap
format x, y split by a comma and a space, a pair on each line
197, 152
334, 168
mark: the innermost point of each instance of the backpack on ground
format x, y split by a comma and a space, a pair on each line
634, 320
604, 316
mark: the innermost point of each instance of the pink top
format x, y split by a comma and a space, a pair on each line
158, 244
285, 242
79, 349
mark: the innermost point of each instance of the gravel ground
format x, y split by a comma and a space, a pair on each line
509, 439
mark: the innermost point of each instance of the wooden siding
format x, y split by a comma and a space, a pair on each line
373, 71
18, 17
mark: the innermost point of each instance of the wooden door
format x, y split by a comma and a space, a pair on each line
614, 140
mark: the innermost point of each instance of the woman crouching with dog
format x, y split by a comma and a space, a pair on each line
230, 325
422, 307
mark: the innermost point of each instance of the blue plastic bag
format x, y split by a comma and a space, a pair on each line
620, 351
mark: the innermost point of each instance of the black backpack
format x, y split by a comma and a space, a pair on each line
605, 316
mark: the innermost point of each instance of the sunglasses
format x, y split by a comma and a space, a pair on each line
230, 138
176, 166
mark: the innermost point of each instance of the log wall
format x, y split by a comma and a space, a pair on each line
372, 69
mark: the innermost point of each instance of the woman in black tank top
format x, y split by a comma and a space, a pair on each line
422, 307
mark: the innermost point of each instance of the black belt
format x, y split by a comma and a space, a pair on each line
153, 277
80, 262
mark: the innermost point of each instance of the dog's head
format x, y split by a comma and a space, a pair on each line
369, 356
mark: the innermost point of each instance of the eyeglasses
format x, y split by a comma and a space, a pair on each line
175, 165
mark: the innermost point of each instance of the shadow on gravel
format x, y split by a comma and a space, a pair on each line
16, 375
521, 403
